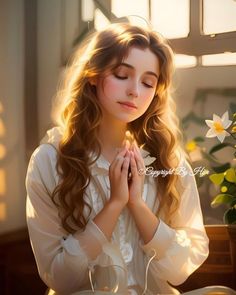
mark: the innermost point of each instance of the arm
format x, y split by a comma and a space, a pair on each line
146, 226
182, 247
62, 258
138, 208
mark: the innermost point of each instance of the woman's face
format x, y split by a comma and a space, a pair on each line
126, 92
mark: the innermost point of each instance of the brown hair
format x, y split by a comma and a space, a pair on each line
80, 115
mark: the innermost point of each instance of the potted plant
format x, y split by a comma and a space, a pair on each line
225, 176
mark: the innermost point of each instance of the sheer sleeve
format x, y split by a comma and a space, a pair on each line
62, 259
182, 247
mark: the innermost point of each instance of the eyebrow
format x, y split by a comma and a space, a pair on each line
131, 67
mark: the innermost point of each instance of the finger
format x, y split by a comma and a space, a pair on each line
125, 166
139, 159
126, 144
118, 162
120, 154
136, 148
133, 165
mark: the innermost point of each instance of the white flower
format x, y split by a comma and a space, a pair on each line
218, 126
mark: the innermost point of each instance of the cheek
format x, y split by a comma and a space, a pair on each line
111, 87
148, 96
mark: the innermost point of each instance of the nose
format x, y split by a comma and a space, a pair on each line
133, 90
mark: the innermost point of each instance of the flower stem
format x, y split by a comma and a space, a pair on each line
234, 137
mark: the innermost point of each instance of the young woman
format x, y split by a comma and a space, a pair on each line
92, 202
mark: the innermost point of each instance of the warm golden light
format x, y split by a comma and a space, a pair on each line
2, 182
100, 21
171, 17
1, 108
2, 151
87, 10
3, 210
2, 128
221, 59
185, 61
124, 8
213, 11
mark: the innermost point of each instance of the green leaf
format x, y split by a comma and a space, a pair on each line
219, 146
232, 107
222, 168
222, 199
217, 178
210, 158
199, 139
230, 216
230, 175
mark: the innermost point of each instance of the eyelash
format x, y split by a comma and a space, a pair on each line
147, 85
124, 77
120, 77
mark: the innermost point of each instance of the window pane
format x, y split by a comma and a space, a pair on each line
219, 16
125, 8
87, 10
171, 17
185, 61
222, 59
100, 21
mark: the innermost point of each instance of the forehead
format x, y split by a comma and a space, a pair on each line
142, 60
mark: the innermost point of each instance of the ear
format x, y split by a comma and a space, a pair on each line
93, 81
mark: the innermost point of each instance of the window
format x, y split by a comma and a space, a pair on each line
219, 59
171, 17
193, 29
219, 16
125, 8
100, 21
185, 61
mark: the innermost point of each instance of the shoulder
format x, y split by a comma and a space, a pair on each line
43, 154
46, 153
42, 165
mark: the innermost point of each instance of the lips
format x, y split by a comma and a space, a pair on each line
128, 104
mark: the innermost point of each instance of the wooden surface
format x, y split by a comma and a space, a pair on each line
219, 268
19, 275
18, 271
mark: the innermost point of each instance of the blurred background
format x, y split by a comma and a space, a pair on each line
36, 40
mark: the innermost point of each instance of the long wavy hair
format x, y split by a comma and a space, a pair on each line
80, 114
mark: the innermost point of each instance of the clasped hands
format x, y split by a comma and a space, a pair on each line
125, 180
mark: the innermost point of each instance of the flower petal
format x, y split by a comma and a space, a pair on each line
226, 124
211, 133
221, 136
209, 123
226, 133
216, 118
225, 116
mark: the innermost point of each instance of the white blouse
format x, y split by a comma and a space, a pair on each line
64, 259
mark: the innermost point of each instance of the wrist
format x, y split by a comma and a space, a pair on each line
115, 205
135, 204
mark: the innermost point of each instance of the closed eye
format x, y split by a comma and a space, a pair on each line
120, 77
147, 85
